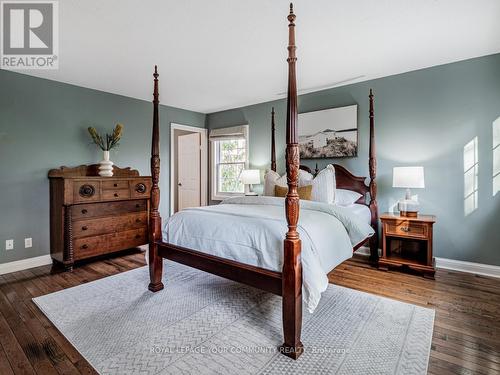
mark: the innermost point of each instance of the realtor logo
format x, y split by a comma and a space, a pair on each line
30, 35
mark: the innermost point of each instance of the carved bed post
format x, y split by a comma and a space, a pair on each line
155, 261
292, 267
273, 142
372, 164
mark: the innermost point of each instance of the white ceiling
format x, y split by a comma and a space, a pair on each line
221, 54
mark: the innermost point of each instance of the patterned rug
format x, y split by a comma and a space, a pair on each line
203, 324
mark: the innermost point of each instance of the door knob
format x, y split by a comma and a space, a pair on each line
179, 184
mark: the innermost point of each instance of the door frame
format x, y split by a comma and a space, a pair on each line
203, 160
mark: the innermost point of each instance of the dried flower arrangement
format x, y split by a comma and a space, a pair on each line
109, 141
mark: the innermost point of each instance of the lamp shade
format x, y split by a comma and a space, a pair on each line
250, 176
408, 177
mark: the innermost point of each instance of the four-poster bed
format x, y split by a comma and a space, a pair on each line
287, 283
283, 274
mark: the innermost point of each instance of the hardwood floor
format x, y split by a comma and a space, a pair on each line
466, 332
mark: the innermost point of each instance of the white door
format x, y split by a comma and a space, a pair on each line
189, 171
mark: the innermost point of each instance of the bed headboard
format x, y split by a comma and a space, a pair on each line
346, 180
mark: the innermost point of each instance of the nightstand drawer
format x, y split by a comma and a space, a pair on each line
405, 228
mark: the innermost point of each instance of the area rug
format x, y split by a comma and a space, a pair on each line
203, 324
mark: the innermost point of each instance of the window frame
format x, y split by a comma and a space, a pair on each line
215, 194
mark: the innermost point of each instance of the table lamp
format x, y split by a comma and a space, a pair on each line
408, 178
249, 177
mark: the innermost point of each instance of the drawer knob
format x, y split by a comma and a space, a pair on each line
85, 227
85, 246
115, 185
116, 195
86, 191
137, 220
140, 188
137, 205
84, 211
405, 229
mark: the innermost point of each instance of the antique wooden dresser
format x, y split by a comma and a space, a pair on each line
92, 215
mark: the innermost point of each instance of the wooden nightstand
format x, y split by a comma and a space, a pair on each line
407, 241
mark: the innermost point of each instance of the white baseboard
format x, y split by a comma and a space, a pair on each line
469, 267
452, 264
24, 264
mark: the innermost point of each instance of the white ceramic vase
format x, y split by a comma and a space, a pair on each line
106, 166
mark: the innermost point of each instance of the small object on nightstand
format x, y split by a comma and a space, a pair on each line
408, 177
250, 177
407, 241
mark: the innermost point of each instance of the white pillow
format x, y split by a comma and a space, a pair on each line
305, 178
323, 189
323, 185
271, 179
345, 197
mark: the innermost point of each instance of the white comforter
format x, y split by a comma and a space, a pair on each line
251, 230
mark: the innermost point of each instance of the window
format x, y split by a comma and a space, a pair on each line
229, 156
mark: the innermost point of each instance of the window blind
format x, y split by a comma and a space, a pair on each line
233, 132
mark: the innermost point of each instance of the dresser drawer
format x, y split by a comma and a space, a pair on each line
140, 188
110, 224
110, 195
86, 191
91, 246
114, 184
406, 229
85, 211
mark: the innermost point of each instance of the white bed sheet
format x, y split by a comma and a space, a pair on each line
250, 230
361, 211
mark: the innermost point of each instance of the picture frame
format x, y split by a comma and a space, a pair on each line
329, 133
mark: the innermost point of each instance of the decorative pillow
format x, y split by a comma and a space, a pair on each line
323, 185
271, 179
304, 191
345, 197
305, 178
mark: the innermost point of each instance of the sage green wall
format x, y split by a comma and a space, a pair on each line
43, 125
424, 118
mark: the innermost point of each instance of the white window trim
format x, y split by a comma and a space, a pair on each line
213, 173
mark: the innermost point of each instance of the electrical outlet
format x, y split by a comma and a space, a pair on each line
9, 245
28, 242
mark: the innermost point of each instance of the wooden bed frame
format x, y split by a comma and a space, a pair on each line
346, 180
287, 283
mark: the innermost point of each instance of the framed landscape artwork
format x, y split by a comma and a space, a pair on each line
330, 133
